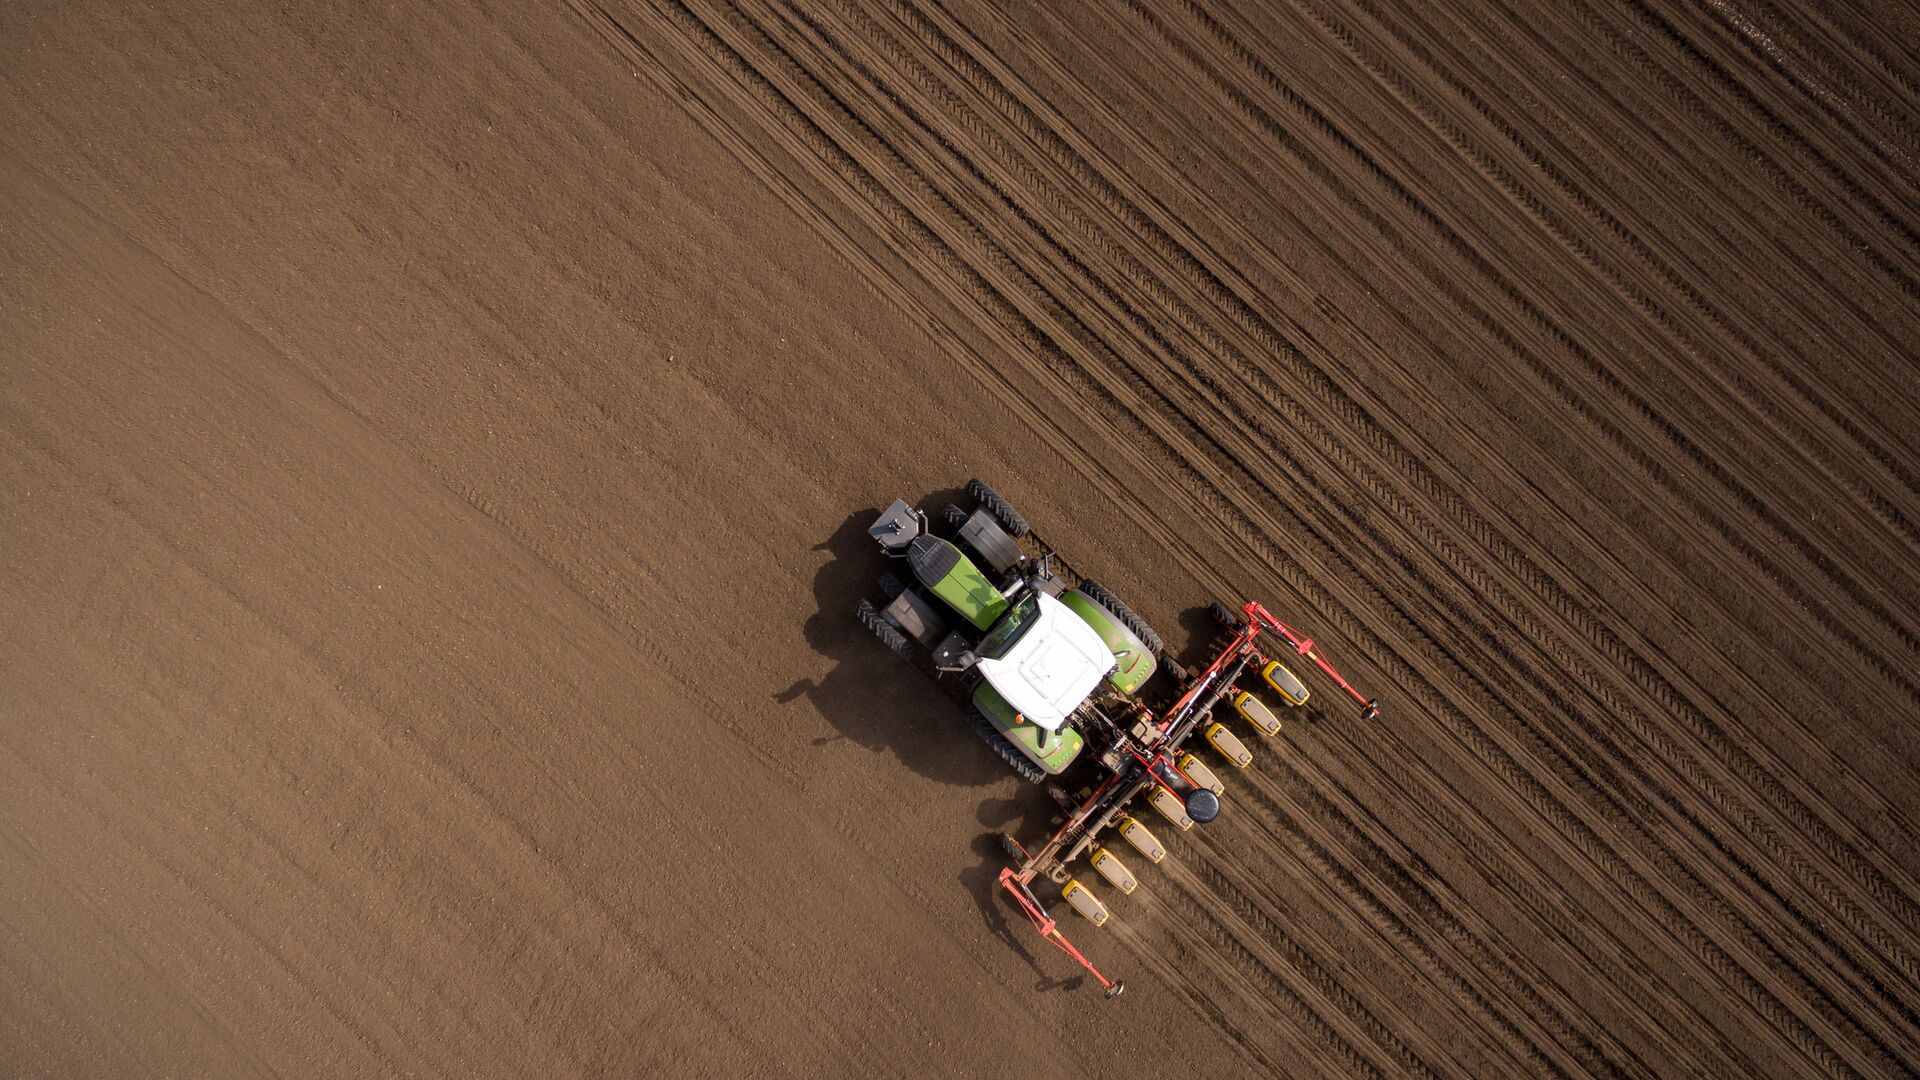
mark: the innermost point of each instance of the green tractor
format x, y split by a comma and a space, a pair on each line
1054, 673
1040, 658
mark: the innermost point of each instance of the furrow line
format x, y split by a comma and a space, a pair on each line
1405, 1040
1363, 45
1630, 131
1428, 932
1568, 398
767, 43
1765, 48
1669, 474
1536, 743
1596, 762
1836, 36
1203, 1001
1230, 944
1681, 919
1429, 540
1810, 137
1346, 1003
1683, 167
1339, 820
1624, 44
1373, 644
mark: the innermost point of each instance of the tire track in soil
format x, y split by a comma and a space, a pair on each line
1765, 48
1743, 827
1147, 954
1416, 390
1636, 141
1786, 122
1187, 987
1894, 114
1671, 470
1589, 245
1411, 895
1389, 907
1869, 794
1600, 767
1675, 167
1257, 948
1183, 979
1691, 99
1654, 124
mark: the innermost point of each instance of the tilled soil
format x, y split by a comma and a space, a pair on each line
438, 442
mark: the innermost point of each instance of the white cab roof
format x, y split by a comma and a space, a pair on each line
1053, 666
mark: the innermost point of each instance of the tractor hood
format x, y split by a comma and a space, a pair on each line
1052, 668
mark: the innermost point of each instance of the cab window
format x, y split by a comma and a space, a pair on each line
1009, 630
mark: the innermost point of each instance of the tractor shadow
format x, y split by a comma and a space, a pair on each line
1200, 637
997, 909
1203, 639
870, 695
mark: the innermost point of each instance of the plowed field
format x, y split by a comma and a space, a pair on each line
436, 442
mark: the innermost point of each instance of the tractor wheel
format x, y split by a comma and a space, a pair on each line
1001, 509
1099, 594
1013, 849
1031, 773
1222, 615
954, 517
888, 634
891, 588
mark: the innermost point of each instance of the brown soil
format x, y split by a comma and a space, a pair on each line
435, 443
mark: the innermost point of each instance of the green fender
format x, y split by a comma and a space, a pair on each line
1135, 664
1026, 735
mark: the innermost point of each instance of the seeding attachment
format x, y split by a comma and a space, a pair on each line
1230, 746
1285, 683
1146, 761
1255, 712
1201, 776
1171, 808
1142, 840
1081, 899
1115, 871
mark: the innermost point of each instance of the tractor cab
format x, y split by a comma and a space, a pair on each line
1044, 660
1033, 650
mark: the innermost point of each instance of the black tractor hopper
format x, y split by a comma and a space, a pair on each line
917, 618
897, 527
991, 542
